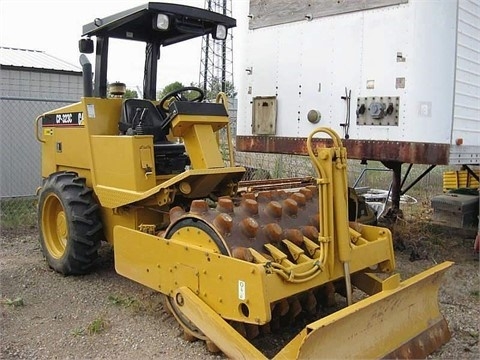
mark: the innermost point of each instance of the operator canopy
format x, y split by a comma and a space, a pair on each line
156, 24
161, 23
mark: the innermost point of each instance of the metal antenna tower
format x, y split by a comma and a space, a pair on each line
216, 63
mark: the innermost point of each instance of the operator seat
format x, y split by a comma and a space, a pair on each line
141, 117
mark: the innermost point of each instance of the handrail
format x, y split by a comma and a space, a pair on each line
37, 136
223, 99
330, 165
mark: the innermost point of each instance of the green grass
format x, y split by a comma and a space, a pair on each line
474, 335
143, 304
97, 326
18, 212
78, 332
17, 302
121, 301
429, 186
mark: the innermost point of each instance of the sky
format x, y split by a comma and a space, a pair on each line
55, 26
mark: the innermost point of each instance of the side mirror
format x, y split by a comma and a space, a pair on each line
85, 46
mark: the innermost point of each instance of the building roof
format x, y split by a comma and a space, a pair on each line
33, 59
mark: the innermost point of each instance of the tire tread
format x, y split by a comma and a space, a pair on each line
83, 219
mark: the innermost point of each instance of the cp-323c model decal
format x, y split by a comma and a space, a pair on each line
63, 119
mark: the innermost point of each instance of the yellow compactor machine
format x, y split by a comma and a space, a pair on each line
148, 177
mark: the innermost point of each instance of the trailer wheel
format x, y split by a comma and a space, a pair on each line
69, 223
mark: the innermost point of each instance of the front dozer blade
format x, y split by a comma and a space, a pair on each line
403, 322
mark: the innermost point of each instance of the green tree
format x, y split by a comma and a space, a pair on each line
169, 88
215, 86
130, 94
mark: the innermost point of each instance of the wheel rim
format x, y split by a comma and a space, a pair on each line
54, 226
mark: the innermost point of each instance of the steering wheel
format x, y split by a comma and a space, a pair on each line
178, 95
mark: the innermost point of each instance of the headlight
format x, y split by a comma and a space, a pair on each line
220, 32
162, 22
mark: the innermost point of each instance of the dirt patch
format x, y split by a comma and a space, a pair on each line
102, 315
97, 316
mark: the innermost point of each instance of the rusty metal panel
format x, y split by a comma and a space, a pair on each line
401, 151
425, 343
265, 13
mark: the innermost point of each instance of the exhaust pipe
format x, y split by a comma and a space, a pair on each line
87, 76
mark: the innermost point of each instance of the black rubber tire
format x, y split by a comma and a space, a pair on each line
69, 224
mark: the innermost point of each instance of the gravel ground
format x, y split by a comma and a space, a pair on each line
104, 316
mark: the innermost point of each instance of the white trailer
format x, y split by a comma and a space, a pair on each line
400, 79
